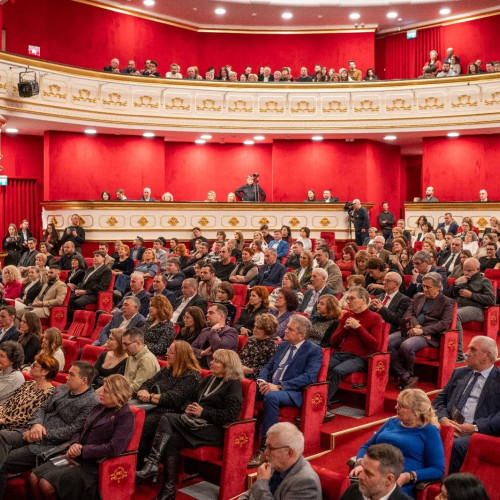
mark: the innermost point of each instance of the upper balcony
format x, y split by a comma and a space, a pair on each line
82, 97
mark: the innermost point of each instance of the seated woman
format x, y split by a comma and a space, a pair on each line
361, 263
346, 263
123, 264
78, 269
258, 248
326, 321
258, 303
462, 486
225, 293
428, 246
17, 411
286, 233
173, 243
417, 230
159, 331
285, 305
240, 240
11, 282
167, 196
52, 345
305, 232
290, 281
171, 389
194, 322
117, 244
440, 241
30, 338
11, 360
311, 197
470, 242
41, 264
404, 263
425, 229
469, 227
105, 434
218, 402
182, 254
148, 267
415, 431
112, 361
231, 197
352, 281
30, 290
458, 269
258, 236
260, 347
305, 270
247, 270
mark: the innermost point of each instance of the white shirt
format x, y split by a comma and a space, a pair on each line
182, 305
385, 497
124, 324
469, 410
312, 302
391, 296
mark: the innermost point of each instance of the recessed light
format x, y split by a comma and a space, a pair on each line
354, 16
220, 11
445, 11
453, 134
400, 18
148, 134
392, 15
287, 15
199, 141
11, 130
248, 142
317, 138
206, 137
258, 137
149, 3
90, 131
320, 16
390, 138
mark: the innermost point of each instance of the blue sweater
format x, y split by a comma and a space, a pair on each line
421, 447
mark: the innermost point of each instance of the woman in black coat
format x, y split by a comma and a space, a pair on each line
11, 244
258, 303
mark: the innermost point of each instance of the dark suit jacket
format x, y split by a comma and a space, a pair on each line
437, 320
487, 415
28, 259
12, 334
414, 288
98, 282
452, 229
395, 310
174, 281
137, 321
332, 199
32, 293
195, 301
77, 240
444, 255
144, 199
353, 493
308, 296
270, 275
144, 297
302, 371
137, 253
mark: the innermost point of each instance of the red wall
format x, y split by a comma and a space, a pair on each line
23, 156
459, 168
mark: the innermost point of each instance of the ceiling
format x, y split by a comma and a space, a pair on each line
307, 14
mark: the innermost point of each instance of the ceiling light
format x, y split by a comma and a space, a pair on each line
90, 131
11, 130
220, 11
317, 138
392, 15
206, 137
390, 138
248, 142
148, 134
354, 16
445, 11
258, 137
149, 3
287, 15
453, 134
199, 141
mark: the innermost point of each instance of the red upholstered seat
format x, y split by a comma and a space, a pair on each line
82, 324
333, 484
103, 320
417, 246
240, 294
90, 353
58, 314
71, 350
104, 299
328, 236
491, 323
242, 342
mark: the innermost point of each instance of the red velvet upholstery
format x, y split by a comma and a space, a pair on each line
233, 457
242, 342
333, 484
417, 246
407, 279
328, 236
494, 276
491, 323
58, 314
70, 349
104, 299
374, 380
82, 325
90, 353
103, 320
240, 294
117, 475
345, 275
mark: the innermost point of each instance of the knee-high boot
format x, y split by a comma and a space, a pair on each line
167, 491
153, 461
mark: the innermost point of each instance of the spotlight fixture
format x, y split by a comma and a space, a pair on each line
392, 15
452, 135
11, 130
317, 138
354, 16
149, 3
199, 141
90, 131
258, 137
28, 84
390, 138
287, 15
148, 135
205, 137
248, 142
220, 11
445, 11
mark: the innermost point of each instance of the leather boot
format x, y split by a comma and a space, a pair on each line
153, 461
167, 491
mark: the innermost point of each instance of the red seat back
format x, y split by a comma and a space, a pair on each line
139, 415
323, 371
89, 261
249, 388
71, 349
68, 296
242, 342
417, 246
83, 324
90, 353
103, 320
240, 294
328, 236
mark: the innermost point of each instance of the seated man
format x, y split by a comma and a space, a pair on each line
429, 316
272, 272
197, 236
209, 283
214, 255
293, 260
52, 294
137, 290
189, 298
217, 335
137, 251
334, 281
422, 266
449, 257
382, 254
108, 260
473, 293
114, 66
279, 244
284, 448
199, 255
96, 279
159, 287
359, 334
9, 330
74, 233
161, 254
141, 363
471, 397
392, 305
319, 287
127, 316
28, 258
56, 421
295, 364
448, 224
224, 266
68, 250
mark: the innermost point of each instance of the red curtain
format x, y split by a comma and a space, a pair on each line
427, 39
19, 200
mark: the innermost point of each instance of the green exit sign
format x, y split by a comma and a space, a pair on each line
3, 180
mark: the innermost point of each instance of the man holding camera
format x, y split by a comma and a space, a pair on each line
251, 191
74, 233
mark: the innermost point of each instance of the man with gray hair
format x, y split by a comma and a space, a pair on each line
469, 402
295, 364
473, 293
422, 266
136, 290
285, 474
319, 287
272, 272
428, 317
146, 195
382, 253
334, 281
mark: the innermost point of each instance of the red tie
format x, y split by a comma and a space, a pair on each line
386, 299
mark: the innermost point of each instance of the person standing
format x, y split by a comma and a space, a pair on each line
251, 191
386, 220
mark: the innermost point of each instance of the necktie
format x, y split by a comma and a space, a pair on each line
449, 264
279, 372
386, 299
466, 394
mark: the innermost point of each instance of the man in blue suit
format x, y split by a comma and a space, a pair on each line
295, 364
272, 272
8, 330
469, 402
279, 244
421, 266
449, 225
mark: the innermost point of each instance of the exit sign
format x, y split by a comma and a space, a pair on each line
3, 180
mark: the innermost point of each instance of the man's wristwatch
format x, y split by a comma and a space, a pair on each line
280, 387
476, 428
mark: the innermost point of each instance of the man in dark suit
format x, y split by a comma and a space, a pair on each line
146, 196
328, 198
136, 290
386, 220
449, 225
159, 287
422, 266
450, 257
271, 273
28, 258
293, 260
319, 288
197, 236
295, 364
8, 330
393, 304
189, 298
74, 233
64, 262
470, 402
361, 220
137, 250
382, 466
428, 317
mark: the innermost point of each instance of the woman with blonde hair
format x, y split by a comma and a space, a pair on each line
258, 236
52, 345
11, 285
159, 331
415, 432
167, 196
304, 272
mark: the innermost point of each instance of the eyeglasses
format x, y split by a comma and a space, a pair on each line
351, 298
271, 448
126, 344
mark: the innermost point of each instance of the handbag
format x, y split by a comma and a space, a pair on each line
193, 423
